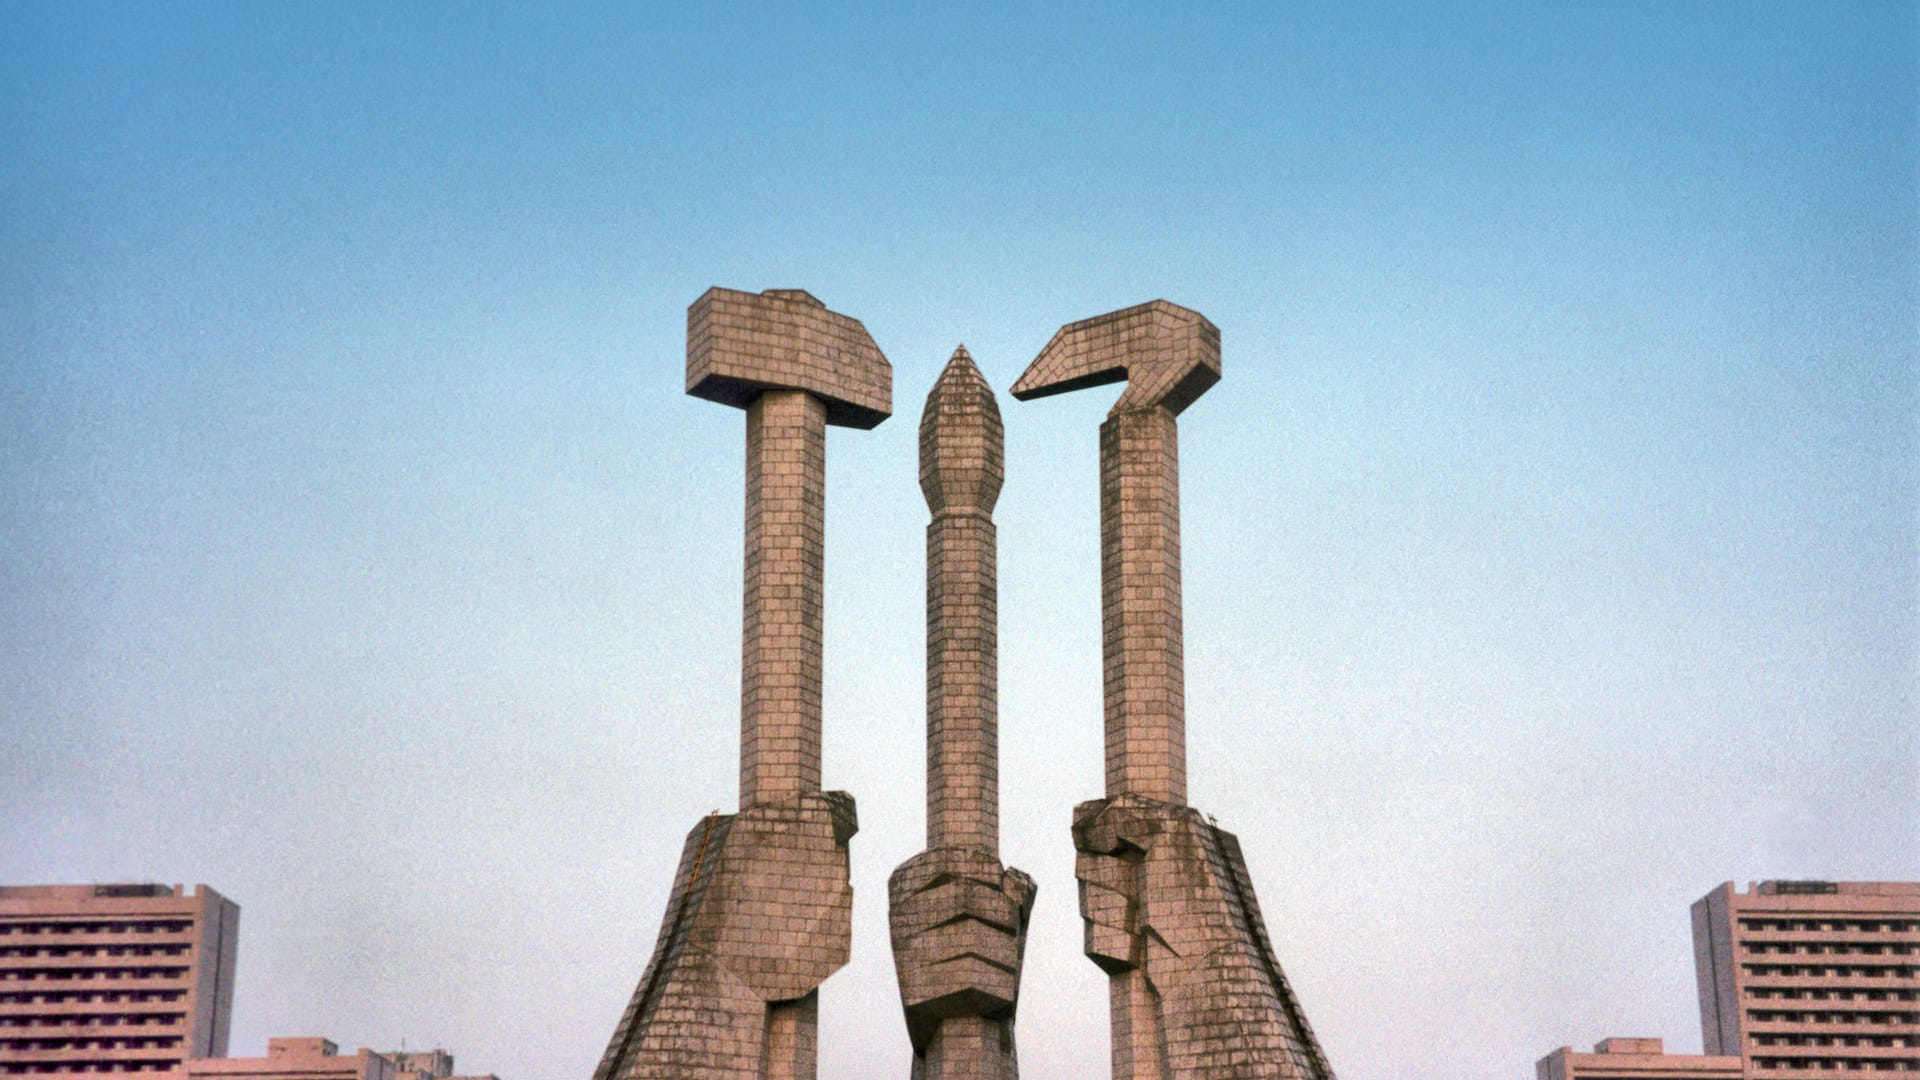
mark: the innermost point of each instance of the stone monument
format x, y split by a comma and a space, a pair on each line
958, 917
1195, 990
761, 908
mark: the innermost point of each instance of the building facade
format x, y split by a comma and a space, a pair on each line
113, 978
311, 1058
1635, 1059
1807, 979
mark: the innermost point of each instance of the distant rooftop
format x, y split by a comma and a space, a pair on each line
81, 892
1828, 888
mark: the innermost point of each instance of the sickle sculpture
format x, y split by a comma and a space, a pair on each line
1169, 356
1195, 990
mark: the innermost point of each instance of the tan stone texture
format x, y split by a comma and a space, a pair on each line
740, 344
1142, 642
968, 1048
959, 928
963, 775
761, 909
759, 916
1167, 354
780, 663
1169, 357
958, 917
795, 367
1197, 991
961, 454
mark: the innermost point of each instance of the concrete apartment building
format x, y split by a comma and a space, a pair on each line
1635, 1059
113, 978
1805, 979
320, 1059
1799, 980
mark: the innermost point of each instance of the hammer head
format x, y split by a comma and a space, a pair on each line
1168, 355
740, 344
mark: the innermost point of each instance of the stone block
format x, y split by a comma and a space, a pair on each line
1168, 355
959, 926
760, 915
741, 344
1171, 917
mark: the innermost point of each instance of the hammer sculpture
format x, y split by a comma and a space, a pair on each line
761, 909
1195, 989
959, 918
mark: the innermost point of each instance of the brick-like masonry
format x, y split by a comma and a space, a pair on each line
1195, 990
958, 917
1169, 357
761, 910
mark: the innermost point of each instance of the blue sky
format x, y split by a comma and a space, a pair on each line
1551, 541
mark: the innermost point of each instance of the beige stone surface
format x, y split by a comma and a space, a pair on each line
968, 1048
1195, 989
962, 447
959, 925
1167, 354
760, 914
781, 643
740, 344
761, 908
958, 918
1169, 357
795, 367
1140, 604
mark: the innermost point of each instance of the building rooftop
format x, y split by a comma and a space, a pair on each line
84, 892
1829, 888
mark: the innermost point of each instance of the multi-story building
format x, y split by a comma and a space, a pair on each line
113, 978
1634, 1059
1806, 979
1799, 980
320, 1059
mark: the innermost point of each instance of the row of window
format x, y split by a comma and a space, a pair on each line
1782, 1016
91, 1019
177, 949
74, 997
1858, 926
1851, 971
1818, 948
14, 1068
103, 926
152, 1042
1801, 993
1904, 1065
124, 971
1881, 1041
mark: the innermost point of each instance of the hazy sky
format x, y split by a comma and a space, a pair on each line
1550, 542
